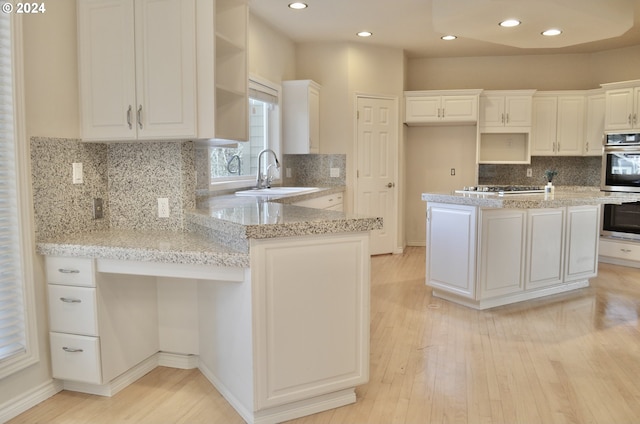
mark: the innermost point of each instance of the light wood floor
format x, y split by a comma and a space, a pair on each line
572, 358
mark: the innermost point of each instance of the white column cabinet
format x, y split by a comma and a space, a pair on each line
441, 106
622, 106
558, 124
301, 116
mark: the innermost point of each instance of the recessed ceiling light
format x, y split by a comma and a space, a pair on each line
552, 32
365, 34
297, 6
509, 23
449, 37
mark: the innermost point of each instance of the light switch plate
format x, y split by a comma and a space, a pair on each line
334, 172
77, 177
98, 212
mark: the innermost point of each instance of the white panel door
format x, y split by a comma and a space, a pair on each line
376, 193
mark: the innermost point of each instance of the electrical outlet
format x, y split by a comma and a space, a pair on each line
288, 172
453, 171
334, 172
98, 212
529, 172
163, 207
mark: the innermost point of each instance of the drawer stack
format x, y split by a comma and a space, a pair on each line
73, 319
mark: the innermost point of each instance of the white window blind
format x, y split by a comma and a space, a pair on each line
12, 323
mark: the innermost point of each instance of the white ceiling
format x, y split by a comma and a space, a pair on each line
408, 24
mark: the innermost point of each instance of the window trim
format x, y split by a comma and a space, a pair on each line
276, 137
25, 215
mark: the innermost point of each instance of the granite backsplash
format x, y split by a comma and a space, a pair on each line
129, 177
314, 170
572, 171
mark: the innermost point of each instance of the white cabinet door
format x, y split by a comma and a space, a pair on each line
459, 108
594, 128
570, 135
422, 109
106, 55
544, 126
545, 243
165, 68
137, 69
619, 109
502, 237
301, 117
492, 111
451, 248
517, 111
582, 236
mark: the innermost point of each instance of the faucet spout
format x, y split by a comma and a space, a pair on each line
262, 180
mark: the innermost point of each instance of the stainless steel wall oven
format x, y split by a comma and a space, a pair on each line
621, 172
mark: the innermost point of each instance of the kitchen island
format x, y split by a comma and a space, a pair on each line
269, 300
485, 250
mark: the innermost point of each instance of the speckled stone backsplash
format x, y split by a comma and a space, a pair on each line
572, 171
314, 170
129, 177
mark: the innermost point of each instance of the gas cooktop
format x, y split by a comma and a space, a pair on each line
501, 190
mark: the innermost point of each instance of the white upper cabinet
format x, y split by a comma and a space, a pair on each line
301, 117
441, 107
505, 111
622, 106
147, 69
594, 126
558, 124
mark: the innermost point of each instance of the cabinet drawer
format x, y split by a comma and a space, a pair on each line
620, 250
75, 358
73, 310
322, 202
70, 271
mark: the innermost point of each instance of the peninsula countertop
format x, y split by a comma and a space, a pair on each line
562, 197
217, 233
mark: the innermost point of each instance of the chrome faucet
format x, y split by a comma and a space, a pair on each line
263, 180
238, 169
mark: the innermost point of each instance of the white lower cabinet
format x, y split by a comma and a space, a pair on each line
545, 246
90, 317
332, 202
502, 238
486, 257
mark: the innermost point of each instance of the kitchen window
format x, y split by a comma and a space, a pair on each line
18, 340
236, 162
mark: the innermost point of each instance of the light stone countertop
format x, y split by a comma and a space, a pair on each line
562, 197
145, 246
218, 233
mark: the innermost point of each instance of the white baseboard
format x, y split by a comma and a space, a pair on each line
178, 360
28, 400
417, 243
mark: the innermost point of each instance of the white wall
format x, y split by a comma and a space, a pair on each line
271, 54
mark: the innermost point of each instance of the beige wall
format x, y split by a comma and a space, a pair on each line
271, 54
344, 71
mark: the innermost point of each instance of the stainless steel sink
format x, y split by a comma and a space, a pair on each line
276, 191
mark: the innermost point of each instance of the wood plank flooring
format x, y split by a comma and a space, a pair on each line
570, 358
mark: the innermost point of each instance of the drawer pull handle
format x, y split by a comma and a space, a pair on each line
626, 250
69, 271
72, 350
70, 300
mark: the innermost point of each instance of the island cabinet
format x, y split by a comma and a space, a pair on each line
162, 69
441, 107
483, 257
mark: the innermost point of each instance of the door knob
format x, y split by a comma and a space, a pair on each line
391, 185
